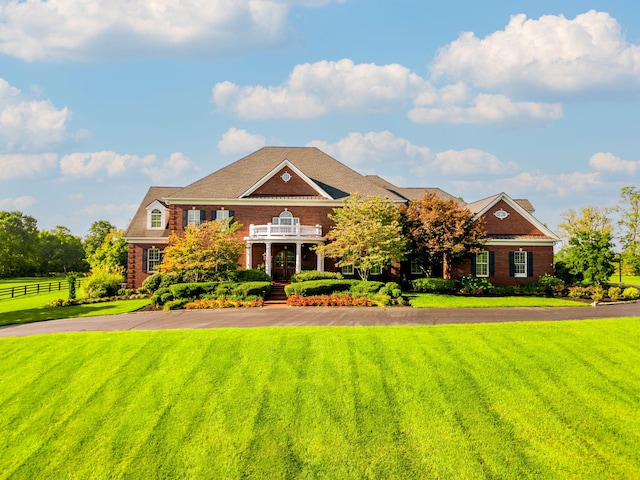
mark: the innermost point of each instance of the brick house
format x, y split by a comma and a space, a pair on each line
282, 196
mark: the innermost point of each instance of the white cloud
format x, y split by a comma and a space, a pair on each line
27, 124
552, 53
373, 146
177, 165
13, 166
608, 162
240, 141
90, 164
561, 184
19, 203
316, 89
470, 162
98, 29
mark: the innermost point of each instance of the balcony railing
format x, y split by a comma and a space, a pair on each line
270, 230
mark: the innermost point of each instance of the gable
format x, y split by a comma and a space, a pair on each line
286, 181
504, 219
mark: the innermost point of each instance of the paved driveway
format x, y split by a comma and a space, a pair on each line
316, 316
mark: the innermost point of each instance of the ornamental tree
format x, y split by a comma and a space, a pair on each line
367, 234
590, 256
210, 246
441, 232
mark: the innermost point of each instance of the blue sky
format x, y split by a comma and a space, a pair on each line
101, 99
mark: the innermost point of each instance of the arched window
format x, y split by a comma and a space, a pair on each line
156, 218
286, 218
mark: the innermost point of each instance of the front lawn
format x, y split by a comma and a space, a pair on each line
518, 400
436, 300
626, 279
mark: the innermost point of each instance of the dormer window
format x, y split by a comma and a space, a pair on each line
156, 216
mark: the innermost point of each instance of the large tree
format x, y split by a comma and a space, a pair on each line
367, 234
590, 257
441, 232
588, 219
112, 253
60, 251
19, 253
209, 247
630, 224
98, 231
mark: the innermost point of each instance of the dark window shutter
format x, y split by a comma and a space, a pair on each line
185, 218
492, 264
529, 264
473, 264
144, 260
512, 266
213, 215
203, 216
231, 215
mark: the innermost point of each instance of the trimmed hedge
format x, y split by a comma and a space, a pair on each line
319, 287
362, 288
435, 285
191, 290
252, 275
309, 275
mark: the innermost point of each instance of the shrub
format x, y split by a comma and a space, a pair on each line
160, 280
104, 282
206, 303
309, 275
579, 292
435, 285
597, 293
176, 304
160, 296
252, 275
335, 300
190, 290
392, 289
551, 286
614, 293
475, 286
631, 293
319, 287
250, 289
362, 288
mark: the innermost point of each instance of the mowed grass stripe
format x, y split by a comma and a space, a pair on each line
521, 400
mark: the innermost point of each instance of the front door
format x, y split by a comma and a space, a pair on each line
284, 265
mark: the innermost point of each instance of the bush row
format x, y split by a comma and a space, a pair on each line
165, 280
309, 275
191, 291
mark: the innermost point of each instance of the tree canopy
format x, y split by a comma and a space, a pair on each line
60, 251
19, 253
112, 253
209, 247
367, 234
590, 257
441, 232
98, 231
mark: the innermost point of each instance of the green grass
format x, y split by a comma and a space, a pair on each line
519, 400
17, 282
31, 308
434, 300
626, 279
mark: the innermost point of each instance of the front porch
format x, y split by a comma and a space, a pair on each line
282, 257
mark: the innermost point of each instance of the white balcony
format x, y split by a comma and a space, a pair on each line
278, 231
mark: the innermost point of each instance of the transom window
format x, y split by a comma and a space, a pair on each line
482, 264
285, 218
520, 264
153, 259
193, 217
156, 218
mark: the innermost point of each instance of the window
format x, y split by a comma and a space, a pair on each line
376, 271
156, 218
193, 217
285, 218
222, 215
482, 264
416, 268
153, 259
520, 264
347, 269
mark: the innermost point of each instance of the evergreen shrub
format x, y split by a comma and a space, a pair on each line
309, 275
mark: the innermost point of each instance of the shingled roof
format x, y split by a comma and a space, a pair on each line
138, 226
335, 178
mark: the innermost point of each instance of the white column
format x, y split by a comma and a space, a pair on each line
247, 255
319, 261
267, 258
298, 257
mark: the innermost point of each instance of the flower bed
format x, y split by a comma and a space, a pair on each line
329, 301
222, 302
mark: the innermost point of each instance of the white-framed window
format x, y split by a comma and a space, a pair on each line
153, 260
347, 269
222, 215
193, 217
156, 218
285, 218
482, 264
520, 264
416, 268
376, 271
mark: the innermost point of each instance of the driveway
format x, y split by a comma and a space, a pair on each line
316, 316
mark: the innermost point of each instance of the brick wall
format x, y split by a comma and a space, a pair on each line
514, 224
277, 187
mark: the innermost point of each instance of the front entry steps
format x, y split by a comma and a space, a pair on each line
276, 297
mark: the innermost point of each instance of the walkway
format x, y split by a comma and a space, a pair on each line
316, 316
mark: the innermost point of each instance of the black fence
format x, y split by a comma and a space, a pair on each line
35, 288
